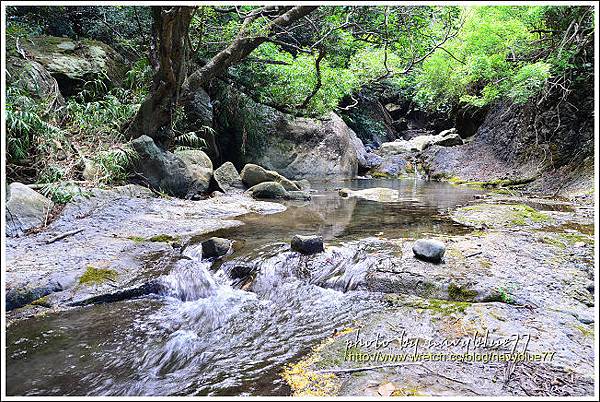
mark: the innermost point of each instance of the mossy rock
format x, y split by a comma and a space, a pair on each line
461, 293
501, 215
76, 63
97, 276
160, 238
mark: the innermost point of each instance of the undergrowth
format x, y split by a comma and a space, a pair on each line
76, 143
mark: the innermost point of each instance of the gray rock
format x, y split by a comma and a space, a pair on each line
448, 132
25, 209
446, 138
268, 190
32, 77
215, 247
165, 171
195, 157
253, 174
585, 317
73, 63
227, 178
429, 250
372, 160
391, 166
297, 196
378, 194
307, 244
303, 184
296, 147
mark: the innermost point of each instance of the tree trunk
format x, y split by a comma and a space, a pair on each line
154, 118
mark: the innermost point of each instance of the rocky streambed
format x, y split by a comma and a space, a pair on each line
131, 305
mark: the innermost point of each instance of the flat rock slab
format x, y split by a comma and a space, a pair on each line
410, 323
127, 231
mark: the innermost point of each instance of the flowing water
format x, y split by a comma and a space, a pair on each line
203, 336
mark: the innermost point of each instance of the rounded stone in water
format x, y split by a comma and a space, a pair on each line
307, 244
429, 250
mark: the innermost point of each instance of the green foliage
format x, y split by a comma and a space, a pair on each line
49, 143
31, 126
114, 165
528, 81
62, 192
187, 139
137, 80
496, 55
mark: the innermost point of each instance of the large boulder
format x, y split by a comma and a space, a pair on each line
307, 148
181, 176
25, 209
253, 174
268, 190
296, 147
393, 166
73, 63
227, 178
33, 78
195, 157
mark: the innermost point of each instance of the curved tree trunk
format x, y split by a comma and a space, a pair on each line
155, 116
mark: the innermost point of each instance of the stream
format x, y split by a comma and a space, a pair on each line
203, 335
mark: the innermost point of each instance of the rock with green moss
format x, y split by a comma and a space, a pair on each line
34, 79
76, 62
97, 276
268, 190
501, 215
253, 174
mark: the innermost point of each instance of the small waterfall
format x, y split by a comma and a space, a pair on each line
416, 171
190, 279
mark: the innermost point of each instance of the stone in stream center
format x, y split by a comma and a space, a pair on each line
429, 250
227, 178
307, 244
215, 247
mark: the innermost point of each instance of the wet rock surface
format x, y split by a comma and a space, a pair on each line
215, 247
486, 285
307, 244
127, 231
512, 265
